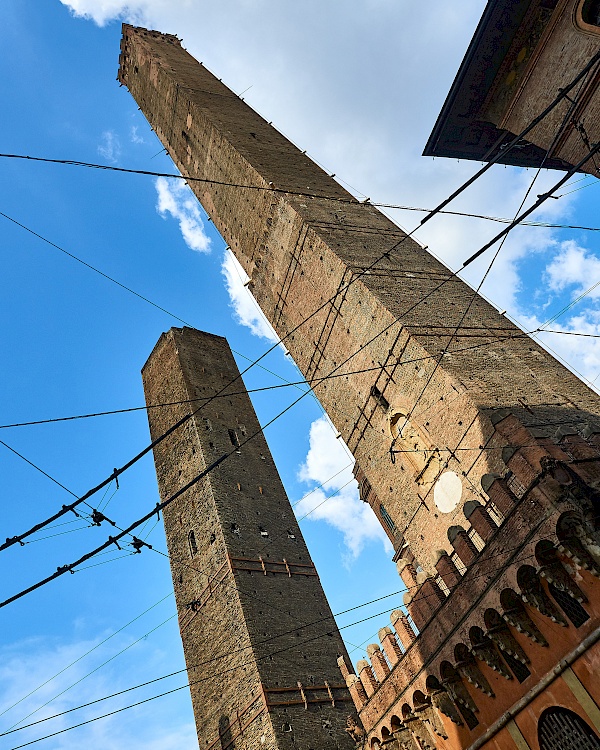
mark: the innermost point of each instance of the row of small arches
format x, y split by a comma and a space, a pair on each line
558, 728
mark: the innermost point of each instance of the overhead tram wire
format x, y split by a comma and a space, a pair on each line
368, 369
87, 653
474, 296
590, 154
343, 374
486, 333
375, 204
504, 148
69, 568
282, 634
126, 288
143, 637
37, 468
212, 660
563, 93
179, 561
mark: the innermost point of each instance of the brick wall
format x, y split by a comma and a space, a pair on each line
253, 617
300, 251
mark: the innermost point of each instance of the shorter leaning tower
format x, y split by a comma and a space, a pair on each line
259, 638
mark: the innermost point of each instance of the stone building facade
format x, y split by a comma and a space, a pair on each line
477, 450
522, 54
258, 635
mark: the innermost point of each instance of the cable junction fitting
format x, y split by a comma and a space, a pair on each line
138, 544
97, 518
66, 509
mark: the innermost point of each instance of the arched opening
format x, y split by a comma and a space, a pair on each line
561, 587
569, 524
467, 667
512, 652
534, 594
492, 619
461, 653
395, 723
406, 711
516, 615
420, 700
545, 553
561, 729
453, 683
571, 607
589, 11
484, 649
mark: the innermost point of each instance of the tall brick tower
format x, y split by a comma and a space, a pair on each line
479, 453
259, 639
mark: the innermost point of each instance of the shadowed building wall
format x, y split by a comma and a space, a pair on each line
259, 638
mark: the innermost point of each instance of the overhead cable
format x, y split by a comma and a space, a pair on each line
14, 540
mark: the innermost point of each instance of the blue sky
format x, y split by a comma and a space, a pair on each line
362, 98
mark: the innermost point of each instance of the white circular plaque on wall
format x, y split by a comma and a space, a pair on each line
447, 491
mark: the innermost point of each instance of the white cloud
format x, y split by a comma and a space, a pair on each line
247, 312
110, 146
576, 267
328, 464
103, 11
134, 136
175, 198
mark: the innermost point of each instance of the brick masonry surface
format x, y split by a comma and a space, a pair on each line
381, 342
259, 639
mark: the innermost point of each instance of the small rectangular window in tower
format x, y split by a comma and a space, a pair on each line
387, 519
192, 544
495, 513
476, 539
233, 436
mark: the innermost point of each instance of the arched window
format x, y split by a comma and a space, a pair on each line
192, 544
571, 607
590, 12
587, 15
560, 729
